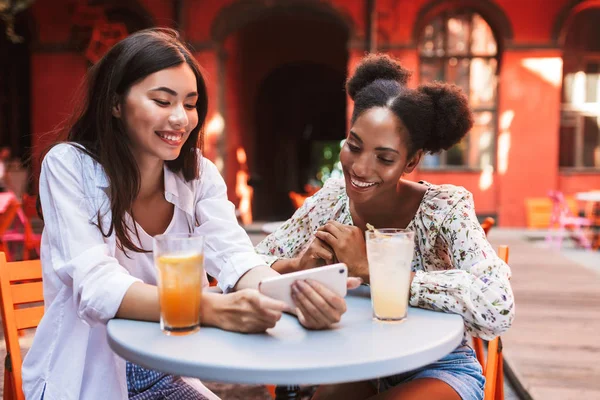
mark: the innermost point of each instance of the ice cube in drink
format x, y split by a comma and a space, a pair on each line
180, 292
390, 258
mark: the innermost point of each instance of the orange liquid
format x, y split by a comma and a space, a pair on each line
180, 291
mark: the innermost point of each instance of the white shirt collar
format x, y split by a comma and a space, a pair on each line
177, 191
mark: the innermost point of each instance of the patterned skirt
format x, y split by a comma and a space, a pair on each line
145, 384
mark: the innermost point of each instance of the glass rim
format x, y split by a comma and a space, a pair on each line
177, 236
390, 231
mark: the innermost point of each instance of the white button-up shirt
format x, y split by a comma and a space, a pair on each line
85, 275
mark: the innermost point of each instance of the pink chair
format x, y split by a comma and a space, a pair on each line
24, 234
563, 221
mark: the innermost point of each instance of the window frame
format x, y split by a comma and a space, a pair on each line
578, 112
445, 16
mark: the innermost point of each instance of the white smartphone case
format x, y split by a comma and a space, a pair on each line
334, 277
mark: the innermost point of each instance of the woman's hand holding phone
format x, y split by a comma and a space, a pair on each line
315, 296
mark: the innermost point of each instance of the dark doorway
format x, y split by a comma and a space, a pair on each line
287, 71
298, 106
15, 88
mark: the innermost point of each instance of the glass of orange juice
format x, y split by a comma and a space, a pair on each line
390, 254
179, 259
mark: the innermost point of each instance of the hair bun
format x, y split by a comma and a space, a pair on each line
374, 67
453, 116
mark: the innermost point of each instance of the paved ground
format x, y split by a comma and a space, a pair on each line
553, 345
553, 355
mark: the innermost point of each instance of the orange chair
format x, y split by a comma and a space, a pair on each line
493, 368
297, 199
478, 343
487, 224
20, 284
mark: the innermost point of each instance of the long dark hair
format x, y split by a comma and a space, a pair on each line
436, 115
103, 136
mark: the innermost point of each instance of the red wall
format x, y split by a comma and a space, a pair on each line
531, 166
55, 79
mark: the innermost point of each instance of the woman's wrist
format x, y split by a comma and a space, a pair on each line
362, 272
286, 265
209, 309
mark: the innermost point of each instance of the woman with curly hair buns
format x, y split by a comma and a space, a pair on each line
454, 269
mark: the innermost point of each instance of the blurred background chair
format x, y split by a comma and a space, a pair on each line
9, 209
297, 199
21, 232
487, 224
564, 222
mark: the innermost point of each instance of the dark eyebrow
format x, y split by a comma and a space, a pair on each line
355, 136
387, 149
172, 92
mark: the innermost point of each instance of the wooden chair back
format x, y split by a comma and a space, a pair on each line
493, 367
21, 294
487, 224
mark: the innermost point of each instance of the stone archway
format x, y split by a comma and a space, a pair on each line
15, 88
235, 16
493, 14
279, 63
299, 107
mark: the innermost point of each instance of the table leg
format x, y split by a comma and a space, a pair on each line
290, 392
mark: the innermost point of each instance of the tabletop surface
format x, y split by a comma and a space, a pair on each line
271, 227
357, 348
588, 196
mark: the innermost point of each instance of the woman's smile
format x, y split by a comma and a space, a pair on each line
173, 138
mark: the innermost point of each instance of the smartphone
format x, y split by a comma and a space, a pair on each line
332, 276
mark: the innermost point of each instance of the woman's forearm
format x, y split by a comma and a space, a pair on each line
286, 265
252, 278
140, 302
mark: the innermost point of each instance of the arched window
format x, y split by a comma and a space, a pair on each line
460, 47
580, 110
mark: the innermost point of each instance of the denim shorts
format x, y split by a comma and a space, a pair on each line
459, 369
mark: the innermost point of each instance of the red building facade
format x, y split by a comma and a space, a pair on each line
276, 70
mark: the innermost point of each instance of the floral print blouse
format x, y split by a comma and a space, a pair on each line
457, 270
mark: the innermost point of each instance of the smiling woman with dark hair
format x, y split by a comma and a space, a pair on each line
132, 168
454, 267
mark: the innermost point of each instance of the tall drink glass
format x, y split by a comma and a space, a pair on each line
390, 254
180, 262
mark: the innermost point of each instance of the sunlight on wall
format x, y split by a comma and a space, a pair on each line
215, 125
486, 179
548, 68
242, 189
506, 120
213, 130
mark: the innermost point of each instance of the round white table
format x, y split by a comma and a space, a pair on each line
593, 196
358, 348
271, 227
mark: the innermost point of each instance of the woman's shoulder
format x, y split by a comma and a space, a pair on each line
332, 192
441, 201
73, 159
445, 196
68, 154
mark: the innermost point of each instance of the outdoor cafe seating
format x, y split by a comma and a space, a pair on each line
16, 231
